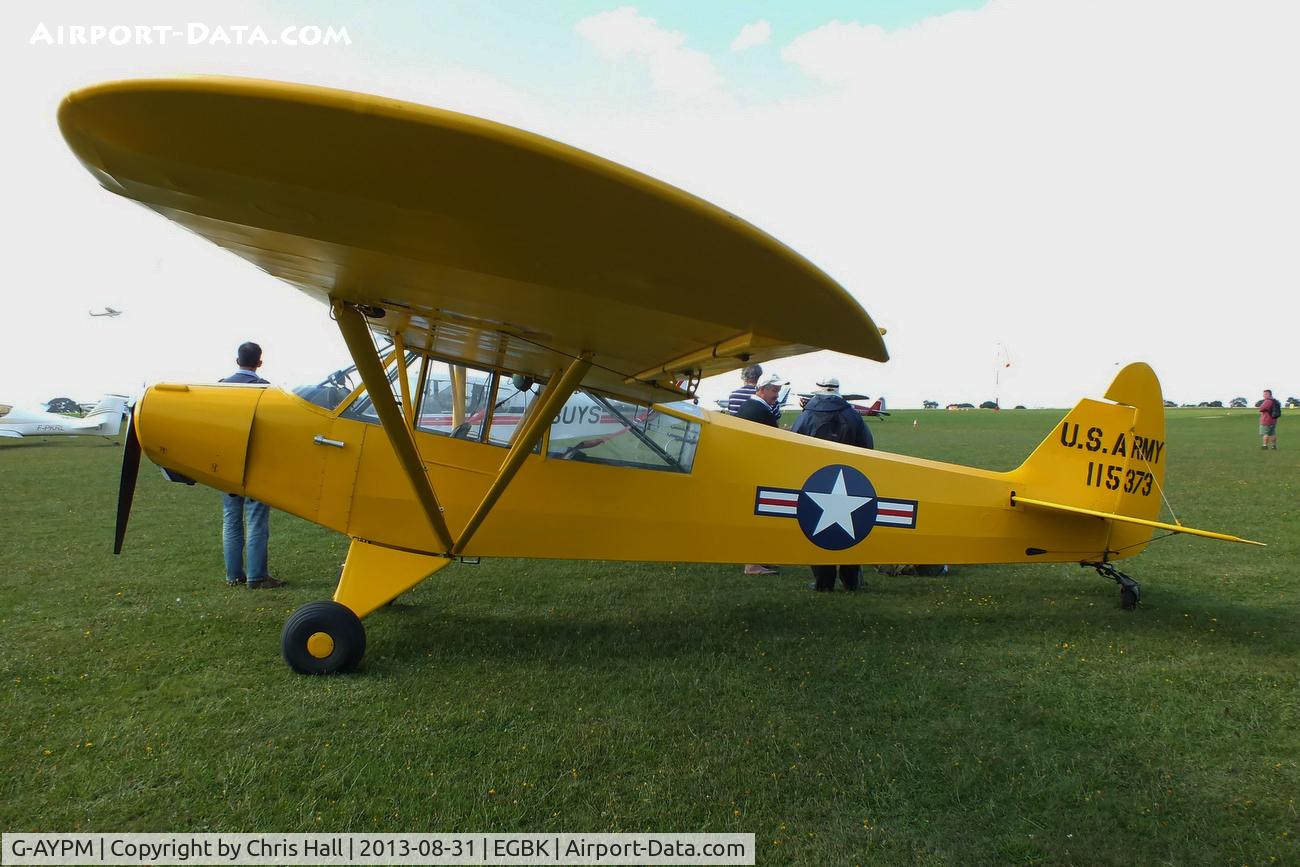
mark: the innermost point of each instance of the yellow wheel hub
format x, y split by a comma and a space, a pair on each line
320, 645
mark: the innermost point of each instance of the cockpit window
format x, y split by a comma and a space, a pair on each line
363, 408
462, 402
455, 401
514, 400
334, 389
598, 429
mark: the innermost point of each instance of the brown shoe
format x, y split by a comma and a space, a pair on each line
266, 583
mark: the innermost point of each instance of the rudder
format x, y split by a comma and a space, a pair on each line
1106, 456
109, 412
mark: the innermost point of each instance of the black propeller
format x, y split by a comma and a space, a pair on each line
126, 489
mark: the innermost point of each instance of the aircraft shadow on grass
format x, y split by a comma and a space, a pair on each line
578, 640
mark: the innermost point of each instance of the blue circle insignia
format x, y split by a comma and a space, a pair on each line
837, 507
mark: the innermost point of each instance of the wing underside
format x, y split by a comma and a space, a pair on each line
482, 243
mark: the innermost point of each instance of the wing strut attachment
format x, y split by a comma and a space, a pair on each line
357, 337
557, 392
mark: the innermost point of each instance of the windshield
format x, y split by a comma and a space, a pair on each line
334, 388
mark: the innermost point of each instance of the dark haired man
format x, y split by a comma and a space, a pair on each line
246, 523
749, 376
749, 383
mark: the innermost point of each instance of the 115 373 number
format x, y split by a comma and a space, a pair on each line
1112, 477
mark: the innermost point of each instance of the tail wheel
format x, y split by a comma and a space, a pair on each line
323, 638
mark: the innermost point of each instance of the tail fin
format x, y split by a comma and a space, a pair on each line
1105, 457
108, 415
1107, 461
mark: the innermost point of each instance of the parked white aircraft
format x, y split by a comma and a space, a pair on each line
103, 420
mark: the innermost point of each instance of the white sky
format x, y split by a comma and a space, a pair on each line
1074, 183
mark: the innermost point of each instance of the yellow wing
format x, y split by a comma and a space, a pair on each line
480, 242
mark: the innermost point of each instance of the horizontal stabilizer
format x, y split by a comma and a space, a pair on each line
1159, 525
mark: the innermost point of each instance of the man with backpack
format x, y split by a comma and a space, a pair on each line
827, 416
1270, 409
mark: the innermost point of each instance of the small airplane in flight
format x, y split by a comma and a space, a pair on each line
510, 280
107, 311
103, 420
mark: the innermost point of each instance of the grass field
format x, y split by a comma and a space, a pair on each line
997, 715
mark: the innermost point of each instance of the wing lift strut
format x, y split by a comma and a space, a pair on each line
352, 323
328, 636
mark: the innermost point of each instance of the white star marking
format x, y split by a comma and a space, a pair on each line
837, 506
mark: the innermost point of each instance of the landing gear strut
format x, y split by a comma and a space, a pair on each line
1130, 592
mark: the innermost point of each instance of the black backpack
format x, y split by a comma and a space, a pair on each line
829, 426
1276, 409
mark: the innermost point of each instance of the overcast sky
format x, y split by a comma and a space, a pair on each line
1061, 185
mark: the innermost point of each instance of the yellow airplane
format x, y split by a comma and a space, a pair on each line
507, 273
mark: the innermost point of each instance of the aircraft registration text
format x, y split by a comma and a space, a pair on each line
1094, 439
1110, 476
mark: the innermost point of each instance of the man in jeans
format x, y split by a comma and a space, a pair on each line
246, 523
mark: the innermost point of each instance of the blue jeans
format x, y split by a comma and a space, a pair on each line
244, 548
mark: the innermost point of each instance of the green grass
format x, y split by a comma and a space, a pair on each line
997, 715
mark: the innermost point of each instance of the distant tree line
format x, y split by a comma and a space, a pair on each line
1235, 403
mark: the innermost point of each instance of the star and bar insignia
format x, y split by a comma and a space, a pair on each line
837, 507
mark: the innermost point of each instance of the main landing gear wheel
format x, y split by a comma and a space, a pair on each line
323, 638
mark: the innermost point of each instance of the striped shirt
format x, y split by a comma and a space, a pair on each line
738, 398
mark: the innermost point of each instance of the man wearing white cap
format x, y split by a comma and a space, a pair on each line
828, 416
761, 406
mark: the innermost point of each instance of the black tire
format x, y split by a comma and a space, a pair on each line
338, 623
1128, 598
